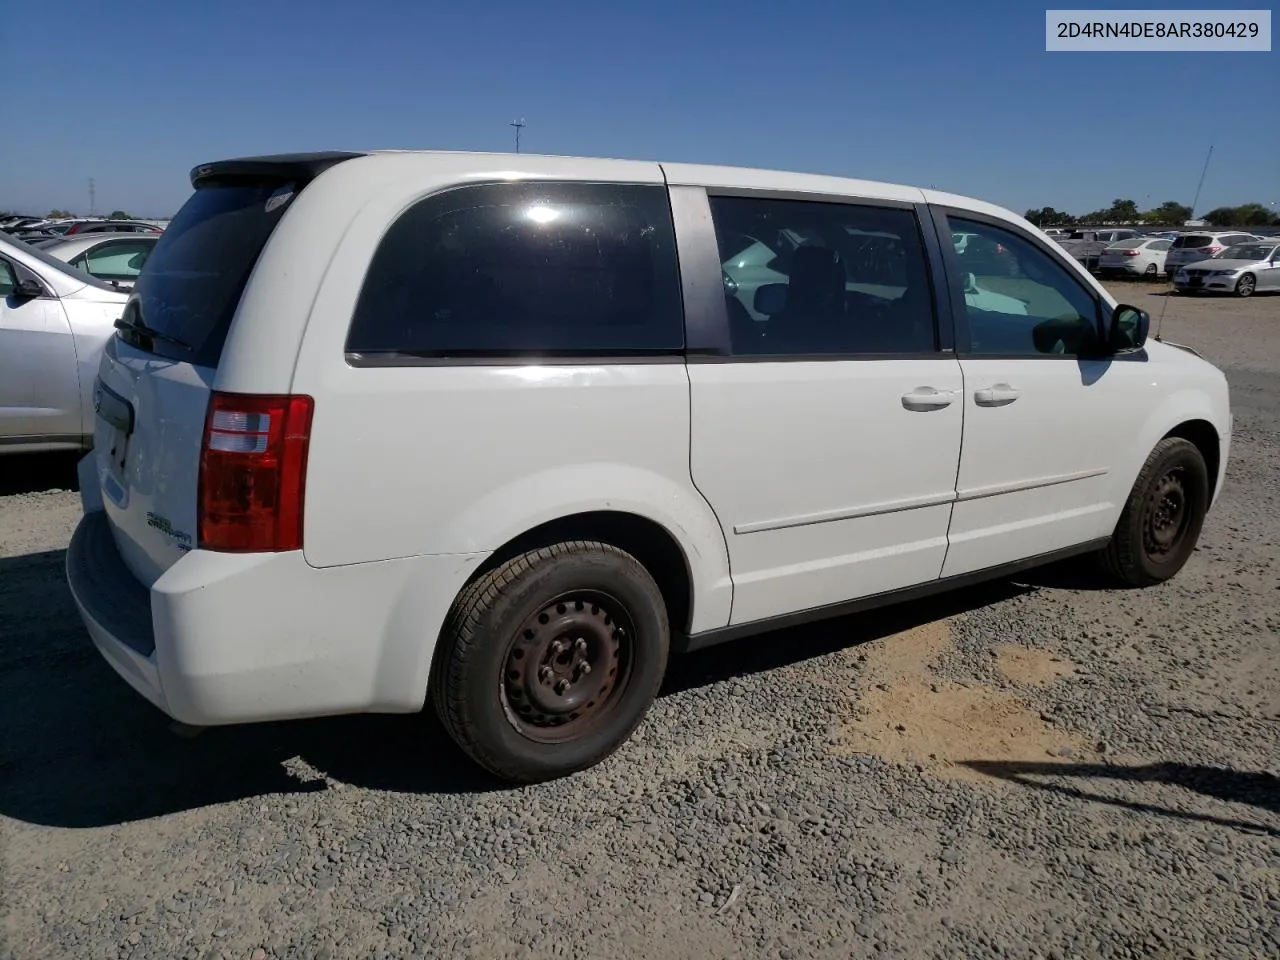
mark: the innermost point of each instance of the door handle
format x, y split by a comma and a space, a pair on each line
922, 399
995, 396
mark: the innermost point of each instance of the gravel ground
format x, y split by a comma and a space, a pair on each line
1033, 769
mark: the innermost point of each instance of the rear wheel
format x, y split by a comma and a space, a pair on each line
1163, 516
550, 661
1151, 272
1246, 285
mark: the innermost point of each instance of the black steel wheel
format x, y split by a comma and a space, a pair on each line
1166, 516
567, 666
549, 661
1163, 516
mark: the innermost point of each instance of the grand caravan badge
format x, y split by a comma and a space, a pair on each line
164, 526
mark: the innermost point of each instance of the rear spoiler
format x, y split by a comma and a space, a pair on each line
282, 166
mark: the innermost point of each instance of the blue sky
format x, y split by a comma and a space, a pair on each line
958, 95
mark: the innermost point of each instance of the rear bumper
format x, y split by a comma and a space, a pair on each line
115, 607
239, 638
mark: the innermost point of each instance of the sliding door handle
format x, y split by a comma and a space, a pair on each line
922, 399
997, 395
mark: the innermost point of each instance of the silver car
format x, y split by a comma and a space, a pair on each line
1242, 270
114, 257
1201, 245
54, 322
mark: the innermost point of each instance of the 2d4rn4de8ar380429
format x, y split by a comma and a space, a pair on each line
503, 433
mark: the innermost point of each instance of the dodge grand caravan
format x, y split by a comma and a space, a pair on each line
504, 432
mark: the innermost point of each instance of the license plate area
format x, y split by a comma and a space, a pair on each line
117, 416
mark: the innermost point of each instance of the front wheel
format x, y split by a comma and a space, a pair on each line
1163, 516
1246, 285
550, 661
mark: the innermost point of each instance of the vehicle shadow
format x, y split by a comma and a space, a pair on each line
1256, 789
38, 472
780, 648
81, 749
1076, 573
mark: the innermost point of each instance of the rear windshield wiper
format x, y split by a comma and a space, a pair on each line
141, 329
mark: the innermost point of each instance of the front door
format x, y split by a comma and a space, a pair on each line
1044, 427
39, 377
826, 437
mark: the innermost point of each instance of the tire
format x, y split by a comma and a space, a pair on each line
1152, 272
509, 682
1162, 518
1246, 285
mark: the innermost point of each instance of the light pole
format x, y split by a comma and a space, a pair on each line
517, 124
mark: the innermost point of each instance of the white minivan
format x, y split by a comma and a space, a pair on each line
500, 431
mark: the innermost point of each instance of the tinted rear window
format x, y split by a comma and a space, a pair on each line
525, 269
1192, 243
195, 275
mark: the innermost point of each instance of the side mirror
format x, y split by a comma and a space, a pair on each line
27, 289
1129, 328
771, 299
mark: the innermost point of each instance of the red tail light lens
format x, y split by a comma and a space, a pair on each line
253, 469
1130, 252
1214, 250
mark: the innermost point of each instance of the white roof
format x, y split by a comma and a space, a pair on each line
518, 166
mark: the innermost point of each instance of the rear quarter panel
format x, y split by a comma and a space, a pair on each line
459, 459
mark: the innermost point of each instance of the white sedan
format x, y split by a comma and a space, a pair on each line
116, 258
1136, 256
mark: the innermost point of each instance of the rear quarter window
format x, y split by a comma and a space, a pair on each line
524, 270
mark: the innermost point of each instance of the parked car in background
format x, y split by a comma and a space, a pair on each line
14, 224
1243, 270
114, 226
1086, 246
47, 228
36, 237
1135, 257
659, 472
1057, 232
113, 257
54, 321
1201, 245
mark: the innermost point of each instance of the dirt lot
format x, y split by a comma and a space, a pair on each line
1041, 768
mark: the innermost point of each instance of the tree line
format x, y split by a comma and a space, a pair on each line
1170, 214
68, 215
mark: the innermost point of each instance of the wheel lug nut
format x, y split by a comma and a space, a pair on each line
561, 687
580, 647
583, 667
544, 673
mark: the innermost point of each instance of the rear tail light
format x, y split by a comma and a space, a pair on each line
253, 468
1214, 250
1131, 252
